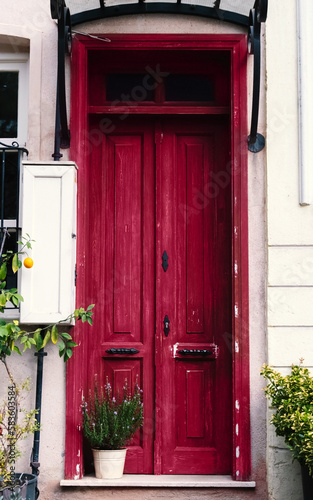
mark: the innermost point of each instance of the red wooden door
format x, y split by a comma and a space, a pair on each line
162, 185
193, 227
121, 265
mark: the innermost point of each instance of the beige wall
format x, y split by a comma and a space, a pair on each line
290, 236
17, 20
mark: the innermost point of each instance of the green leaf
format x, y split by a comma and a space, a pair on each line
90, 307
68, 354
14, 300
20, 298
46, 339
38, 339
61, 348
16, 349
3, 271
89, 320
66, 336
3, 299
3, 285
71, 343
54, 334
15, 263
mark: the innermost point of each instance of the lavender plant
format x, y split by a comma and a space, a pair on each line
109, 422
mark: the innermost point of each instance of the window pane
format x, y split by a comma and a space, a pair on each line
128, 87
188, 88
9, 201
8, 103
10, 244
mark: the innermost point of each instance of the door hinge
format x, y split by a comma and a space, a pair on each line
75, 275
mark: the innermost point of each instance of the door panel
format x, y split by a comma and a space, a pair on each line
122, 271
123, 256
196, 388
156, 187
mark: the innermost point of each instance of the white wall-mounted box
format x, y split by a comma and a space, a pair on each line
49, 217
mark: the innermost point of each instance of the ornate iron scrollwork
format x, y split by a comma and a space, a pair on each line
61, 13
258, 14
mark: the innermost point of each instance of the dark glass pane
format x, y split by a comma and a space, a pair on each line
188, 88
128, 87
10, 244
11, 178
8, 103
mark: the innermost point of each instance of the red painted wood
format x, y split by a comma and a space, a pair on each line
126, 207
240, 273
187, 229
196, 167
122, 268
160, 110
195, 403
86, 150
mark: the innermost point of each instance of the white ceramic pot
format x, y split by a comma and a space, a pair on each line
109, 464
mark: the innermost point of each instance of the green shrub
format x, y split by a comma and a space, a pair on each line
292, 398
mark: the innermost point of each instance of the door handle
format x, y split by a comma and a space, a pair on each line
166, 322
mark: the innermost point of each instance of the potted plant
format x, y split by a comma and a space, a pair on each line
109, 424
12, 338
292, 398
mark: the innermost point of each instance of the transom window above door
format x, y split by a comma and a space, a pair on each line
112, 82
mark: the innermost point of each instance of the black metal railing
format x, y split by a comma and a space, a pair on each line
10, 174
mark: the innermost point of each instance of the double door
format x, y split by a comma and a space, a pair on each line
160, 275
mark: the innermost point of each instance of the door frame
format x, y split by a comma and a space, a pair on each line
238, 339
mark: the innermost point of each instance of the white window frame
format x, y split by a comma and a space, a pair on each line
20, 63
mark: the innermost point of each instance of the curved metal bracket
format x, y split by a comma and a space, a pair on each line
256, 142
61, 13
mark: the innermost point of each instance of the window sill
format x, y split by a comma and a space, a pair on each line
148, 481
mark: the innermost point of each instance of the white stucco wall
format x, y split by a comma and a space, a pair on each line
289, 235
17, 19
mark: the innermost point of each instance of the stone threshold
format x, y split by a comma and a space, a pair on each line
166, 481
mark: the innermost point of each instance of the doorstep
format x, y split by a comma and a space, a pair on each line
165, 481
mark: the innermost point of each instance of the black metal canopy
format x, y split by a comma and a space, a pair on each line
249, 13
234, 11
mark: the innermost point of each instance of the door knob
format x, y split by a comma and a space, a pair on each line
166, 322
